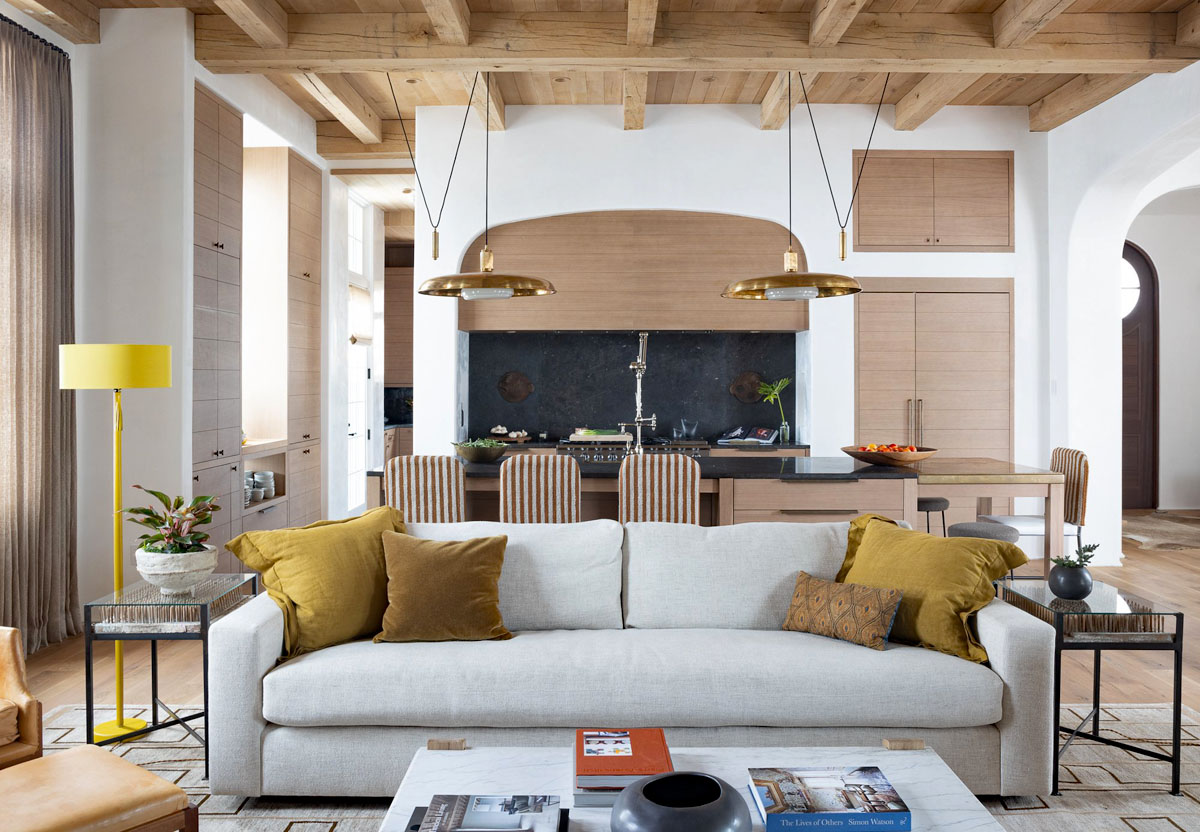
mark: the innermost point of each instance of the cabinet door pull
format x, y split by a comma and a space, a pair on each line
267, 509
196, 478
920, 421
308, 274
233, 467
216, 243
803, 511
308, 436
912, 421
306, 450
216, 453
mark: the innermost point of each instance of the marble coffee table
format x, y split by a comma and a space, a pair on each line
938, 799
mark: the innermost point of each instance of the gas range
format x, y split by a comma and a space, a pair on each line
602, 450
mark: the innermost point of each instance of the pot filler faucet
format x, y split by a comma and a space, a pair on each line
639, 421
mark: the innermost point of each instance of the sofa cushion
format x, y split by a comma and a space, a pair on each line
738, 576
556, 576
682, 678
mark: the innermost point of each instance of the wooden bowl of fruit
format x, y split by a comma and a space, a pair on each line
893, 454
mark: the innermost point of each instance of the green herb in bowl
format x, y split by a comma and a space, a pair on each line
480, 450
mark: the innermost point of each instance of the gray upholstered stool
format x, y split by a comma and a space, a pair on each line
930, 505
988, 531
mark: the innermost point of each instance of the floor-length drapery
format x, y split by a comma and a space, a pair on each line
38, 577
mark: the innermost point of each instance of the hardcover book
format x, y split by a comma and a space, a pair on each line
606, 758
744, 435
469, 812
828, 798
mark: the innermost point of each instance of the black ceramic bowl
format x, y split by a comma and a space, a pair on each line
681, 801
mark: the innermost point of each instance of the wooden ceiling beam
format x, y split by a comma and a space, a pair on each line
634, 94
1076, 97
642, 18
264, 21
76, 20
346, 104
830, 19
335, 141
1189, 26
581, 41
451, 20
932, 93
775, 104
491, 114
1016, 21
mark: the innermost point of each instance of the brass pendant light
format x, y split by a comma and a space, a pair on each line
487, 283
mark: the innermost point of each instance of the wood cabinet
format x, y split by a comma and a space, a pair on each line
399, 442
914, 200
398, 327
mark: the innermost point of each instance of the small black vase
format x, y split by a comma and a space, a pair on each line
1073, 583
681, 801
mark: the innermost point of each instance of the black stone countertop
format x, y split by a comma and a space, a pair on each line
785, 468
554, 443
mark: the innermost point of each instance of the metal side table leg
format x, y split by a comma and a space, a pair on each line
89, 677
1177, 712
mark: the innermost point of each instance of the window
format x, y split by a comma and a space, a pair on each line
1131, 287
354, 236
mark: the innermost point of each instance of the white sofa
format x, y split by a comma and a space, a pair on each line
652, 624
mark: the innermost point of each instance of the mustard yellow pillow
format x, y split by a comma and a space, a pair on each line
858, 526
443, 590
944, 581
328, 578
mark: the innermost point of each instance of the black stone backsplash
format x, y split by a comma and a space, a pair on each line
582, 379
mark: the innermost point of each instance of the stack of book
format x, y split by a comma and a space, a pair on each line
606, 761
461, 812
859, 798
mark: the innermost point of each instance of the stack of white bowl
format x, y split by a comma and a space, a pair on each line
266, 481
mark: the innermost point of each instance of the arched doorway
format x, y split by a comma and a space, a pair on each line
1139, 372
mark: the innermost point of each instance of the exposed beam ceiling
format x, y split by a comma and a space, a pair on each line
1189, 26
775, 104
932, 93
264, 21
335, 141
345, 103
399, 226
1075, 97
76, 20
491, 114
634, 93
391, 189
830, 19
1017, 21
570, 41
642, 16
451, 20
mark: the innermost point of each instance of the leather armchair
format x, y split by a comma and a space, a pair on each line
28, 745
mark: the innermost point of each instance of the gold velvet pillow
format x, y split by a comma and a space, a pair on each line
858, 526
328, 578
443, 590
945, 581
850, 612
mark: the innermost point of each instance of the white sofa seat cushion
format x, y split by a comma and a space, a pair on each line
680, 678
556, 576
732, 577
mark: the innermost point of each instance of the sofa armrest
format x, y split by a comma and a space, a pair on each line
1020, 650
243, 647
14, 688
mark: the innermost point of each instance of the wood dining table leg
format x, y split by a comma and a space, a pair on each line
1053, 541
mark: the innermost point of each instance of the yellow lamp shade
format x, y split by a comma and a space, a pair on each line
113, 366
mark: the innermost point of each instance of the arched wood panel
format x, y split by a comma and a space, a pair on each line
623, 270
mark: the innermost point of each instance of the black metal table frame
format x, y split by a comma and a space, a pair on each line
1098, 646
154, 724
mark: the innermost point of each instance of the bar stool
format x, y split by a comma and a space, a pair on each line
1073, 465
540, 488
930, 505
659, 488
426, 489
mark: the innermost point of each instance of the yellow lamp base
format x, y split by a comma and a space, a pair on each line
113, 729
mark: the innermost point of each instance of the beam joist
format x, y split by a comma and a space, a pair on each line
1075, 97
345, 103
451, 19
830, 19
634, 94
1189, 26
264, 21
1016, 21
932, 93
335, 141
642, 18
490, 110
775, 104
76, 20
582, 41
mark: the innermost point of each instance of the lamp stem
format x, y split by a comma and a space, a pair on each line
118, 549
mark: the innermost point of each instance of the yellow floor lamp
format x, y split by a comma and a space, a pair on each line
115, 367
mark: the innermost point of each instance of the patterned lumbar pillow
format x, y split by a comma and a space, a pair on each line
859, 614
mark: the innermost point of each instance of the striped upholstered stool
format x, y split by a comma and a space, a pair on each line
659, 488
426, 489
540, 488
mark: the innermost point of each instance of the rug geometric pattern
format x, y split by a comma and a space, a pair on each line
1104, 789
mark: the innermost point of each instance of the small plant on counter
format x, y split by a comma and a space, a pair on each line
174, 529
773, 394
1082, 557
480, 443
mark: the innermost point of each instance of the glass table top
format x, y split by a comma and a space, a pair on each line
142, 594
1105, 599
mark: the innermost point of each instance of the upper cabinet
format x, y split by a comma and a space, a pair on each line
934, 200
398, 326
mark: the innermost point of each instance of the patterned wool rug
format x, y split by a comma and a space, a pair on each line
1103, 789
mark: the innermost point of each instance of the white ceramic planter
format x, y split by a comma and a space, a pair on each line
176, 574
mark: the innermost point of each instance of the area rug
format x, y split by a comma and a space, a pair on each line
1104, 789
1162, 530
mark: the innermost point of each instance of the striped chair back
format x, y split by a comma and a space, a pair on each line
1073, 465
540, 488
662, 488
426, 489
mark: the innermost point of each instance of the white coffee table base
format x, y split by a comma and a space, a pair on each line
938, 799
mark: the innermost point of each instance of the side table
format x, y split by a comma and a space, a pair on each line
1108, 619
140, 612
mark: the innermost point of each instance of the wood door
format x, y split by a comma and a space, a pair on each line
1139, 375
894, 206
886, 367
972, 202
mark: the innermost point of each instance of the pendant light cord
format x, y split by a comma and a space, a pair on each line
413, 156
487, 135
790, 236
858, 179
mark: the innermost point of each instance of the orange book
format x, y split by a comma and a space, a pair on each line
614, 758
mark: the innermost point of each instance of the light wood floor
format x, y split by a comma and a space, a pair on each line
1169, 577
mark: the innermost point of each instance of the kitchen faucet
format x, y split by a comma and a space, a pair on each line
639, 370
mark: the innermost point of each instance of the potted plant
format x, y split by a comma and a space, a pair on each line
1070, 578
175, 555
772, 394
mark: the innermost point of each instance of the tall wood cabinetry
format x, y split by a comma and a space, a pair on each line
398, 349
934, 369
